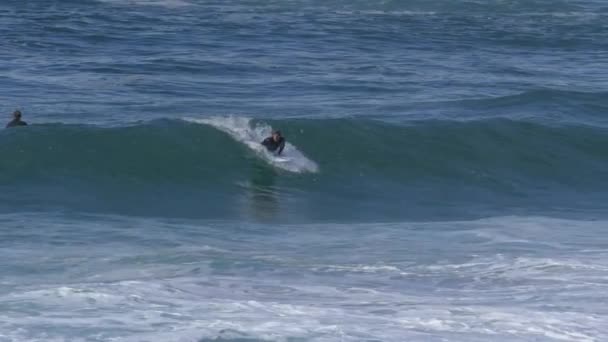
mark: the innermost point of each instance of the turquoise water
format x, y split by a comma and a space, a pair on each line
446, 176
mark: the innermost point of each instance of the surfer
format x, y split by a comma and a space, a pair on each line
275, 142
16, 120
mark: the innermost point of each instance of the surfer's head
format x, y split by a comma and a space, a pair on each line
17, 114
276, 135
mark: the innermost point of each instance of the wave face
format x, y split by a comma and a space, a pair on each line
385, 170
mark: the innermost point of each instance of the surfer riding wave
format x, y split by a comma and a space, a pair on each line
275, 143
271, 149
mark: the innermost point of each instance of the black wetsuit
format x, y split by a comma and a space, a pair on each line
16, 123
273, 145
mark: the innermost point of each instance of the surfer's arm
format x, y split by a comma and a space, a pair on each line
281, 147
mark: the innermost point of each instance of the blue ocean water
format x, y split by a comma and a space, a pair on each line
446, 174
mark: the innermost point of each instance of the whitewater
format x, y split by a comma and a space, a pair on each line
504, 279
242, 130
444, 177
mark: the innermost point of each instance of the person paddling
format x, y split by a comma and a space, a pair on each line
16, 122
275, 142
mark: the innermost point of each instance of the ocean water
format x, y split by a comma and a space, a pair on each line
446, 173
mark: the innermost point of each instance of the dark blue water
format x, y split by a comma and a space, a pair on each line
445, 176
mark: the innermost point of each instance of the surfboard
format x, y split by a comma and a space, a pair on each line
281, 159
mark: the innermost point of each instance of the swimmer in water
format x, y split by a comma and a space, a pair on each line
16, 122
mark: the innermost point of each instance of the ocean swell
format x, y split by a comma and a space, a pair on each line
345, 163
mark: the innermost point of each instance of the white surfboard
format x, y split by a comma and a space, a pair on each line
281, 159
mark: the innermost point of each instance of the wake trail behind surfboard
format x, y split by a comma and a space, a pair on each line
242, 130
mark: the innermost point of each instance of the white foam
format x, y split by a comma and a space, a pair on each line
243, 131
296, 285
358, 269
188, 309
